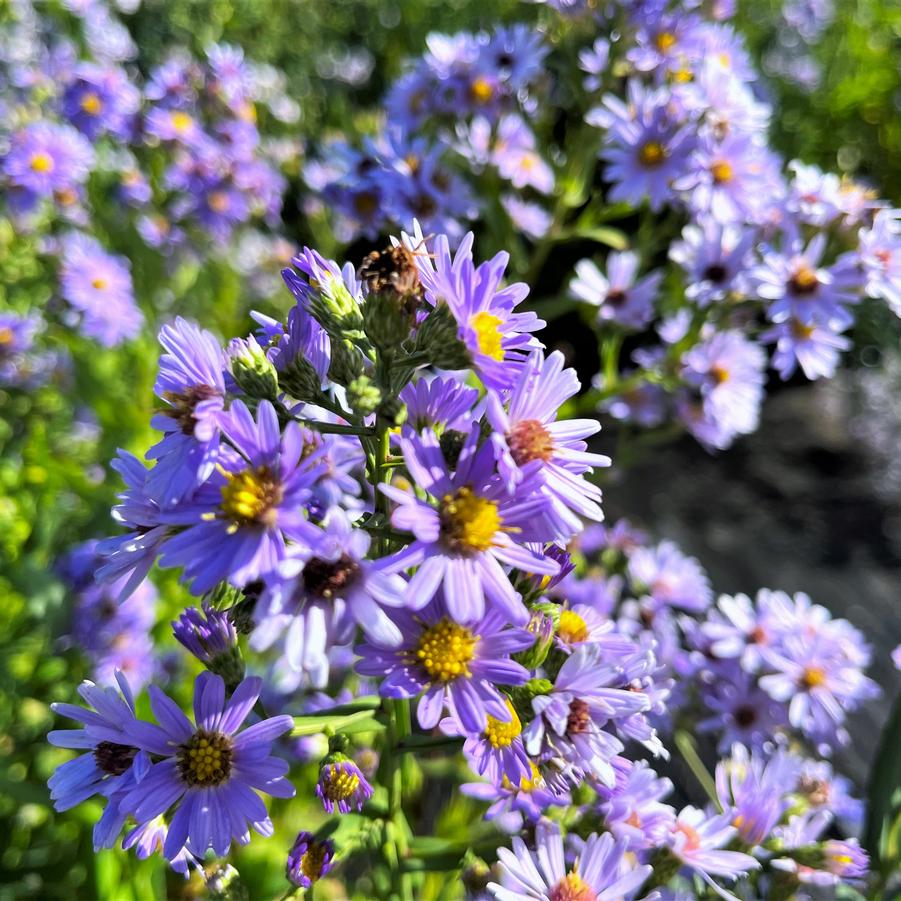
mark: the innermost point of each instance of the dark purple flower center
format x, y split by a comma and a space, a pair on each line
183, 404
745, 716
205, 759
114, 759
579, 719
327, 578
715, 273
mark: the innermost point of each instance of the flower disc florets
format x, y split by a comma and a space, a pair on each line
445, 650
468, 522
205, 759
572, 888
114, 759
529, 440
250, 495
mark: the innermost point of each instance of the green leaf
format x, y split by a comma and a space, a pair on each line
882, 836
359, 721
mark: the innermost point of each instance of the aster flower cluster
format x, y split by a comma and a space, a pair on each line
179, 153
464, 106
382, 512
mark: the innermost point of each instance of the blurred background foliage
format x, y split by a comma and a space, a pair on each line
56, 490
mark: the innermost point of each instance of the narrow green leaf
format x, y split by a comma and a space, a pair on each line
884, 796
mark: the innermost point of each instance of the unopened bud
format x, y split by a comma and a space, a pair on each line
541, 625
347, 362
363, 396
437, 339
252, 369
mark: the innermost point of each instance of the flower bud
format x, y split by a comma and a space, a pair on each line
363, 396
336, 308
541, 625
347, 362
308, 860
211, 637
252, 369
437, 339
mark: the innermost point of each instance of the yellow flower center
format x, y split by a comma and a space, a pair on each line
481, 90
250, 496
181, 121
720, 374
312, 861
529, 440
91, 104
800, 331
445, 650
722, 172
526, 785
338, 784
98, 283
572, 629
812, 677
500, 734
804, 281
652, 154
205, 759
665, 41
488, 334
217, 201
41, 162
468, 522
572, 888
6, 336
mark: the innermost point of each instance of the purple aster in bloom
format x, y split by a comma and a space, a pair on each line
191, 382
880, 256
726, 372
619, 296
528, 438
300, 350
149, 838
815, 347
621, 536
795, 285
113, 764
645, 148
316, 595
453, 663
437, 403
739, 710
820, 681
633, 811
17, 334
602, 871
670, 578
239, 521
342, 784
728, 179
512, 802
594, 62
474, 527
175, 125
820, 788
738, 628
209, 769
838, 861
531, 219
695, 839
512, 150
496, 337
100, 99
814, 194
98, 285
572, 715
714, 258
46, 159
595, 590
755, 789
308, 860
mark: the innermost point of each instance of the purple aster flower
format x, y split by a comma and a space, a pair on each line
601, 872
726, 371
150, 838
838, 860
100, 99
98, 285
714, 258
572, 715
495, 336
191, 382
632, 809
113, 765
512, 802
209, 769
17, 334
819, 681
528, 438
820, 788
696, 838
645, 147
308, 860
342, 784
456, 663
594, 61
670, 578
463, 539
619, 296
755, 789
238, 523
796, 286
438, 402
880, 255
317, 594
814, 194
531, 219
816, 348
45, 158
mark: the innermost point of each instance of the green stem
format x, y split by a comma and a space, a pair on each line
335, 428
686, 747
